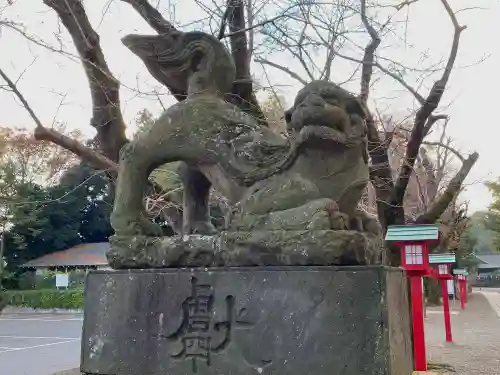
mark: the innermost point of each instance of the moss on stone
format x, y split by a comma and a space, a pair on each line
253, 248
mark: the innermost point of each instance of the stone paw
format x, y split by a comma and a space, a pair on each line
131, 225
339, 221
364, 222
151, 229
319, 221
327, 216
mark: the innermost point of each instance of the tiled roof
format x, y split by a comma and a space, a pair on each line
442, 258
88, 254
488, 261
412, 233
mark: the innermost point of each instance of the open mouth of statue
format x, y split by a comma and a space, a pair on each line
322, 119
321, 132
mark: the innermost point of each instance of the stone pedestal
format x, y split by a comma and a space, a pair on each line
242, 321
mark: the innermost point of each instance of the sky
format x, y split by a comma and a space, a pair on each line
56, 88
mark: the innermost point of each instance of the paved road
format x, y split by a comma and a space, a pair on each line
476, 338
493, 297
39, 344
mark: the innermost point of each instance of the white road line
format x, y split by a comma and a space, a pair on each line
441, 312
41, 320
5, 347
37, 346
42, 315
6, 316
39, 337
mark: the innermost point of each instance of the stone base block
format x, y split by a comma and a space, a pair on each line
257, 248
241, 321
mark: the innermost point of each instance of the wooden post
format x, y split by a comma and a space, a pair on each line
446, 310
461, 291
418, 323
423, 299
466, 290
2, 251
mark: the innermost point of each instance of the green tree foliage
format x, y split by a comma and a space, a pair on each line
46, 299
492, 217
93, 200
29, 160
49, 219
466, 250
24, 163
480, 235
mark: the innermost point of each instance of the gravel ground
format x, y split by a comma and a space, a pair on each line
476, 336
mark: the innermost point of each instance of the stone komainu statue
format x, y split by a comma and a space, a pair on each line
303, 189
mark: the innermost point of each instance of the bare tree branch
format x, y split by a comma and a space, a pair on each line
250, 22
448, 147
12, 85
384, 70
453, 188
431, 185
380, 171
94, 158
442, 156
404, 3
42, 133
369, 56
223, 23
297, 50
238, 39
244, 30
104, 88
431, 121
151, 16
282, 68
431, 102
242, 94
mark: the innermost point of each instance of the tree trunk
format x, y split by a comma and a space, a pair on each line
242, 94
433, 292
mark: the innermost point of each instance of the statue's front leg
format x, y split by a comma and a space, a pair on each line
128, 217
365, 222
196, 211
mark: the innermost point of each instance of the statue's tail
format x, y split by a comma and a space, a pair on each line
168, 56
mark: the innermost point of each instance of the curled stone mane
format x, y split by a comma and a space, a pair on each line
180, 53
274, 159
278, 159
